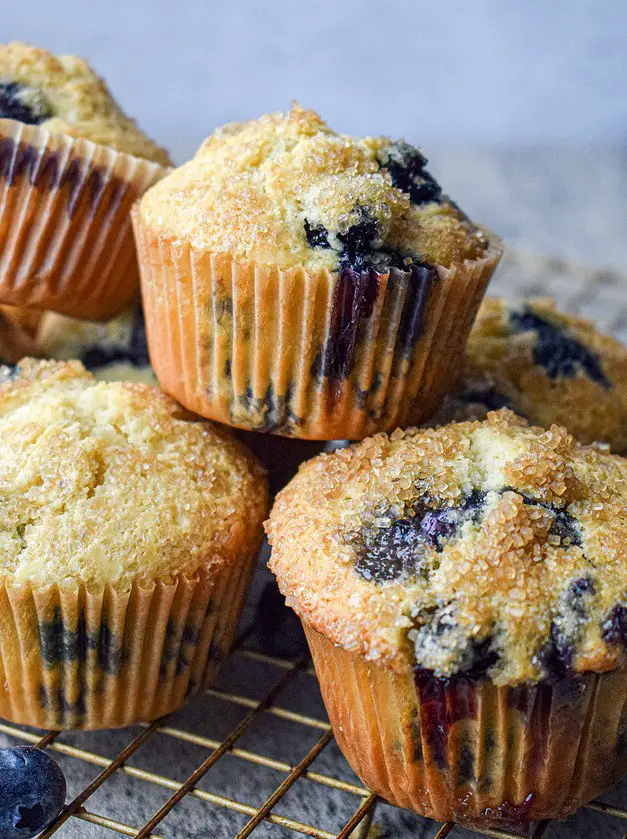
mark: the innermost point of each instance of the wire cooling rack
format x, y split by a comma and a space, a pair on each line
256, 754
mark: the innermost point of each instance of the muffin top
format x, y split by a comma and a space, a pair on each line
113, 350
477, 548
286, 190
65, 96
107, 483
547, 366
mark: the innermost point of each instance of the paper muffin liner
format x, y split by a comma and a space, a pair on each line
466, 751
105, 658
65, 232
311, 355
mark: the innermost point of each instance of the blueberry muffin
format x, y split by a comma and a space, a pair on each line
547, 366
71, 165
464, 591
306, 283
128, 535
115, 350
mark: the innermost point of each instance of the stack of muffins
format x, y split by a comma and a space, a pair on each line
463, 586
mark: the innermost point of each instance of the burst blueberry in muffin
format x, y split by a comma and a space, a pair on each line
128, 536
546, 365
305, 283
115, 350
463, 593
69, 154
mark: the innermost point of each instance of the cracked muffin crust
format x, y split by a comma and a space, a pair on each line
65, 96
547, 366
91, 465
486, 548
286, 190
313, 283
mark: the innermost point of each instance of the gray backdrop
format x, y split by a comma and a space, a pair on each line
521, 105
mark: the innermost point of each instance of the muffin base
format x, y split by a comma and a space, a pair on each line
316, 356
467, 751
92, 659
65, 233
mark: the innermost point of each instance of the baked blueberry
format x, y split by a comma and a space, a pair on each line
614, 628
399, 549
116, 349
317, 235
32, 792
503, 552
64, 95
559, 353
550, 367
406, 165
22, 103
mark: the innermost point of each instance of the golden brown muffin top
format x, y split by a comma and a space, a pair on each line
65, 96
106, 483
480, 547
546, 365
286, 190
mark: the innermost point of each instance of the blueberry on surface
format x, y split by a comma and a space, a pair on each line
564, 524
399, 549
561, 355
358, 243
32, 792
317, 235
22, 103
406, 165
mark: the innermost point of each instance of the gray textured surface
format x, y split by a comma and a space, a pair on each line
598, 293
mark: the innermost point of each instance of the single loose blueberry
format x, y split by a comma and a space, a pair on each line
32, 792
317, 236
561, 355
406, 165
23, 104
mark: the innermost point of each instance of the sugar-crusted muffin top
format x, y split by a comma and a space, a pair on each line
286, 190
65, 96
546, 365
479, 548
114, 350
106, 483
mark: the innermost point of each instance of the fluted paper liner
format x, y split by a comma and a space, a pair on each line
316, 356
468, 751
65, 231
106, 658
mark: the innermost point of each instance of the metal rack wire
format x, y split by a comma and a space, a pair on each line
579, 291
356, 827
